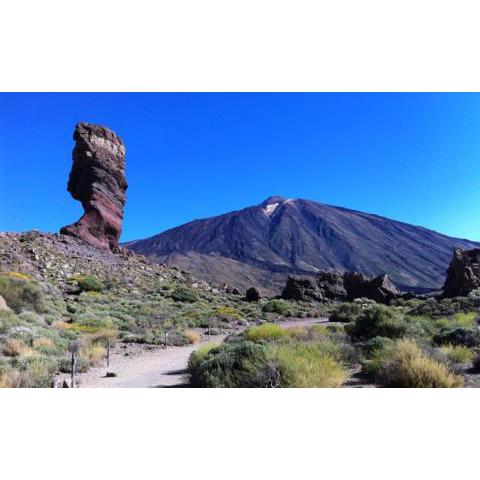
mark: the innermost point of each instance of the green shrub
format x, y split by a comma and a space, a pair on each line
346, 312
87, 283
38, 371
21, 293
7, 321
458, 353
376, 353
267, 332
184, 294
377, 321
252, 295
469, 337
409, 367
199, 355
237, 364
308, 365
277, 306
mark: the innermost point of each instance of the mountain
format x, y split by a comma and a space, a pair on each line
263, 244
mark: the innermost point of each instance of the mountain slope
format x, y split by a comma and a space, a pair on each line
265, 243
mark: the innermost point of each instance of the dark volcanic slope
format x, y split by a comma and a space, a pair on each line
264, 243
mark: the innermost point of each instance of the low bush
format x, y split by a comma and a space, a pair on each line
237, 365
15, 348
469, 337
346, 312
458, 353
184, 294
92, 353
308, 365
37, 371
199, 355
409, 367
43, 344
87, 283
252, 295
277, 306
375, 353
192, 336
266, 332
7, 321
20, 293
377, 321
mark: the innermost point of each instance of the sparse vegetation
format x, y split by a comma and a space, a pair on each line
184, 295
88, 283
21, 293
409, 367
277, 306
377, 321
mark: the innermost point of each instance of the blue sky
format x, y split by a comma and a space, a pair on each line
411, 157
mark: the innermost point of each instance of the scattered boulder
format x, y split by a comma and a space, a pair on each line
252, 295
463, 274
97, 180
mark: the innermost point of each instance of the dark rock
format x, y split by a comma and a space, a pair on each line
379, 288
252, 295
331, 285
97, 180
110, 375
338, 286
326, 286
463, 274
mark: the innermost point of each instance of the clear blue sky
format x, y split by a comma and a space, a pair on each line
411, 157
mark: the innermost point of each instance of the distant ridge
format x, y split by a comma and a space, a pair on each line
263, 244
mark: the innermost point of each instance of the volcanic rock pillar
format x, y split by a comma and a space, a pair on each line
97, 180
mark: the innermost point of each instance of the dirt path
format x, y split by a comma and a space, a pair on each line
140, 366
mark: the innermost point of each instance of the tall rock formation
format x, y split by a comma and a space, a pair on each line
463, 274
97, 180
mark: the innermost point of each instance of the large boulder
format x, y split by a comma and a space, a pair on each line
325, 286
97, 180
463, 274
379, 288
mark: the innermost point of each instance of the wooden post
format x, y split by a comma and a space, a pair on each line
74, 367
73, 347
108, 353
166, 339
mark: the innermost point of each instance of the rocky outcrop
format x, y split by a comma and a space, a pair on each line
463, 274
97, 180
337, 286
379, 288
325, 286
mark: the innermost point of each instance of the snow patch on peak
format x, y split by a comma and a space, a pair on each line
270, 208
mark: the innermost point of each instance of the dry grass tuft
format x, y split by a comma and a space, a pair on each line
409, 367
192, 336
16, 348
93, 353
42, 343
308, 365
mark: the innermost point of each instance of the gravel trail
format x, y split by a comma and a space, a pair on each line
146, 366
